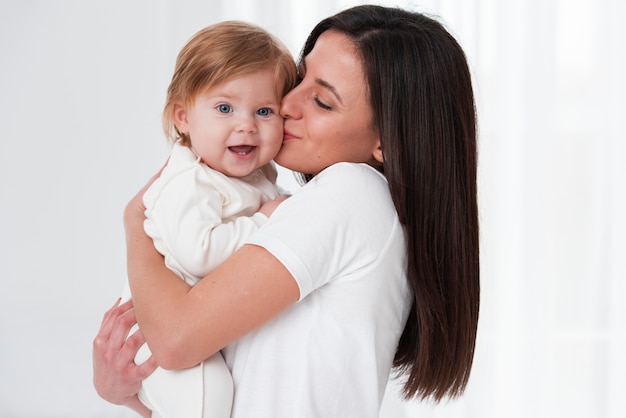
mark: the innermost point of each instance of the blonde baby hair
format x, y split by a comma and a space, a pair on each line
219, 53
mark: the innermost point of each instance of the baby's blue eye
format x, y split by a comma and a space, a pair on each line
224, 108
264, 111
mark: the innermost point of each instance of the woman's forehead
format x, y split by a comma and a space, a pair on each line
335, 63
334, 52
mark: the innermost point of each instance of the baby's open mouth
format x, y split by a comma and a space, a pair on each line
242, 149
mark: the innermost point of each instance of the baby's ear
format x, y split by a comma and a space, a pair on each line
180, 118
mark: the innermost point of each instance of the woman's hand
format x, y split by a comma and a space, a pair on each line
116, 377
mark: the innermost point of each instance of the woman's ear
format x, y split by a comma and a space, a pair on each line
180, 118
378, 153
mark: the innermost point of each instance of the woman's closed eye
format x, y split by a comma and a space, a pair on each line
322, 104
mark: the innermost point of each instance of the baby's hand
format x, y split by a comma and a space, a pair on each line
269, 207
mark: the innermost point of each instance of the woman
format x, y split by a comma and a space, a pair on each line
372, 264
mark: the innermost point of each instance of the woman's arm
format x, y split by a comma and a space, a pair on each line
116, 377
184, 325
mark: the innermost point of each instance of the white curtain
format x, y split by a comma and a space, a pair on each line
81, 89
550, 88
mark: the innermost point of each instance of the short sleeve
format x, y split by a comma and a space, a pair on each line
332, 228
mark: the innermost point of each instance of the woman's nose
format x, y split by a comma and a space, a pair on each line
289, 105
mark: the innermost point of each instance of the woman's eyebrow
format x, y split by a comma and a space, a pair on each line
330, 88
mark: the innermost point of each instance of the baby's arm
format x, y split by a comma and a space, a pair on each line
184, 219
269, 207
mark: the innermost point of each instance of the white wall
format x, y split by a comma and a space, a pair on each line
82, 84
80, 132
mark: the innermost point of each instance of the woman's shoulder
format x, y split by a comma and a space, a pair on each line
347, 189
361, 169
350, 174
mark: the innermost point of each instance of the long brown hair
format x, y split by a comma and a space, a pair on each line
421, 93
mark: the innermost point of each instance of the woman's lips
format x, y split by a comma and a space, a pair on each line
288, 136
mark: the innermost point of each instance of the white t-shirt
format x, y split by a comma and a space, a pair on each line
330, 354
